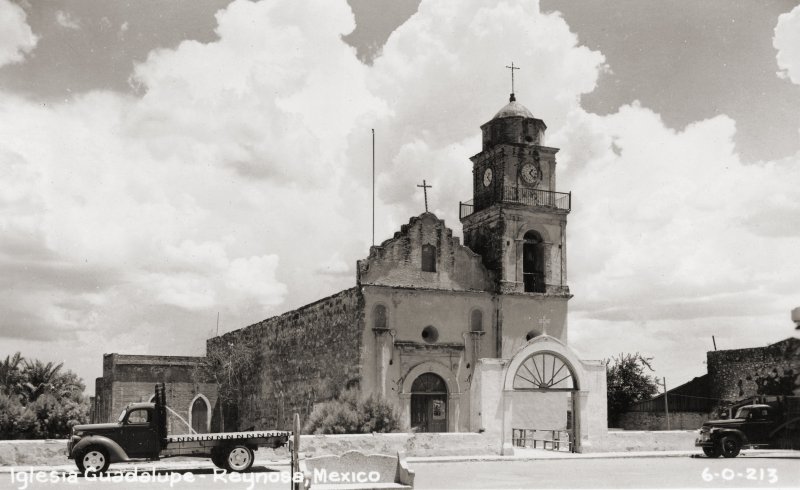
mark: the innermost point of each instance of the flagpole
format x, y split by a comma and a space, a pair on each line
373, 187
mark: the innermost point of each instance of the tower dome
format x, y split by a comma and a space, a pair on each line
513, 109
513, 124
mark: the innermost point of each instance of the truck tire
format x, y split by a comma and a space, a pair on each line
730, 446
218, 458
238, 458
94, 460
712, 452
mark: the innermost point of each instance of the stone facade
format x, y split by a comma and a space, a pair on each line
306, 355
742, 373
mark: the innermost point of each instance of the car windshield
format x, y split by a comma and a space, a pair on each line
122, 415
742, 413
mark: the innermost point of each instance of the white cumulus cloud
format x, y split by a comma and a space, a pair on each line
787, 42
16, 37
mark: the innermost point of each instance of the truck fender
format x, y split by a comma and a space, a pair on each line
115, 451
719, 434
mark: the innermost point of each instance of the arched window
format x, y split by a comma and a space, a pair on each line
200, 410
428, 258
533, 262
379, 319
545, 371
476, 321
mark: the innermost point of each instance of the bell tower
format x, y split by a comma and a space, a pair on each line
516, 220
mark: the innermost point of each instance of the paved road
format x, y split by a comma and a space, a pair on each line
656, 472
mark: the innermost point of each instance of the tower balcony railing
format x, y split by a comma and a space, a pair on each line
561, 201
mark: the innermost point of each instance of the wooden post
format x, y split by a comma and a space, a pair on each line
295, 451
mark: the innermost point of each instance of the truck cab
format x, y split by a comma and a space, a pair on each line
753, 425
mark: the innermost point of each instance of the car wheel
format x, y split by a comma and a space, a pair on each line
93, 460
239, 458
712, 452
730, 446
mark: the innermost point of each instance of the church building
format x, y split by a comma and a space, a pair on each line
459, 337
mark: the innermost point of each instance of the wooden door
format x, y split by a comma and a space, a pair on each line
429, 404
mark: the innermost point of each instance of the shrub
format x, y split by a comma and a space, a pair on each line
350, 413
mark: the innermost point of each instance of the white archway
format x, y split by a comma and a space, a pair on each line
553, 348
208, 411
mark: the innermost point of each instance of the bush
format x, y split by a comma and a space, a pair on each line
350, 413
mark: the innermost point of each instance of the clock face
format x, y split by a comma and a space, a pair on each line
487, 177
529, 173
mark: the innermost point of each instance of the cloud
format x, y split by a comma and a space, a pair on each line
16, 37
237, 181
787, 42
67, 20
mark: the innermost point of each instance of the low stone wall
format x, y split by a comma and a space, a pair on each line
34, 453
658, 421
415, 445
53, 452
639, 440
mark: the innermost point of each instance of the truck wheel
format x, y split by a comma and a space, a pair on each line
93, 460
712, 452
730, 446
218, 458
239, 458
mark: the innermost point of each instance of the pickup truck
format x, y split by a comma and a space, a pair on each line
758, 426
140, 434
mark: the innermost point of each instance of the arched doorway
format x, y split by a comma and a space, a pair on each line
533, 262
544, 387
429, 404
200, 410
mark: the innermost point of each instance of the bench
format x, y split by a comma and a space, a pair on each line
354, 470
555, 438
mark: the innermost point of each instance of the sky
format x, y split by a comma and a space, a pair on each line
166, 161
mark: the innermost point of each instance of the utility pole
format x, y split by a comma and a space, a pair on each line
666, 402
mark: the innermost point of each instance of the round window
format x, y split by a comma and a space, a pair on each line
430, 334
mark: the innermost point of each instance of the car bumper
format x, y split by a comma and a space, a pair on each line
704, 441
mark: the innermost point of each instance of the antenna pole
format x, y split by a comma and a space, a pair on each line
373, 187
715, 342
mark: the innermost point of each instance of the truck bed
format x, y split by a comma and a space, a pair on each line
224, 436
203, 444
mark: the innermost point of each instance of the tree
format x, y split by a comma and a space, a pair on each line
627, 383
231, 363
352, 413
11, 375
38, 400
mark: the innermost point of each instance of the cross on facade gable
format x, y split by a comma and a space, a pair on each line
425, 188
512, 68
544, 322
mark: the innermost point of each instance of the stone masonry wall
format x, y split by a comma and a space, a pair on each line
308, 355
770, 370
658, 421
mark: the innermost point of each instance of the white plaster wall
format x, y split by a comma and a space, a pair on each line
597, 406
487, 397
540, 410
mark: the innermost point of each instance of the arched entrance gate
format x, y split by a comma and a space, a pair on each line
543, 395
